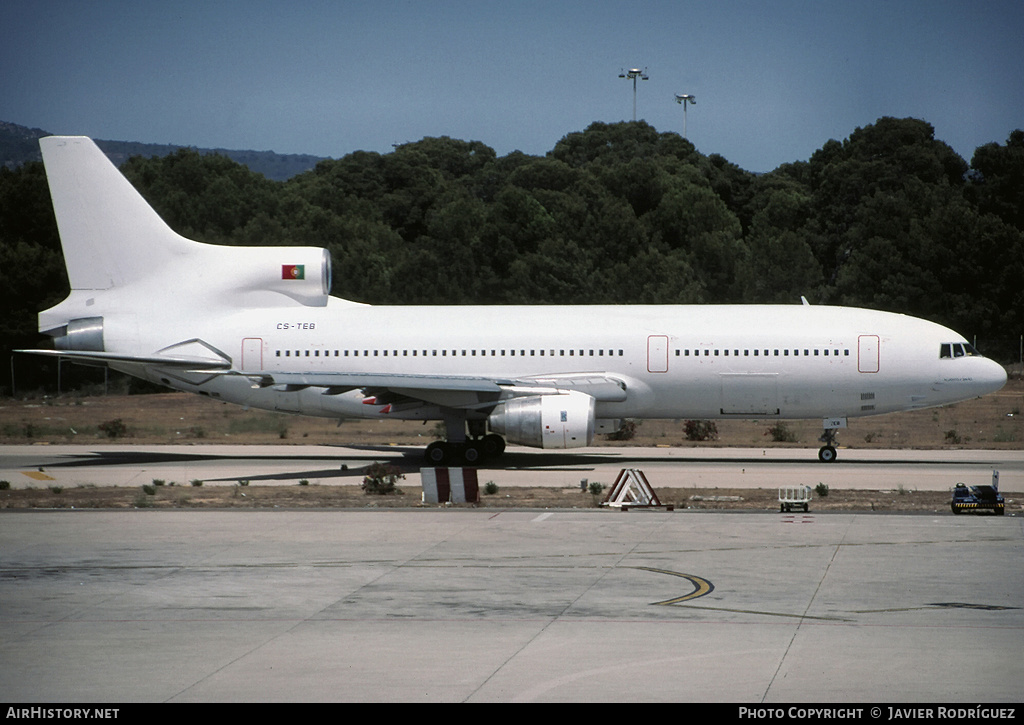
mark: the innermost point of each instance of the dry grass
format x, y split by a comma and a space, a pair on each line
995, 421
352, 497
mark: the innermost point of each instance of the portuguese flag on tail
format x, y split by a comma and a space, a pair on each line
293, 271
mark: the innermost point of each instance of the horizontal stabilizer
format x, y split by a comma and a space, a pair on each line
203, 364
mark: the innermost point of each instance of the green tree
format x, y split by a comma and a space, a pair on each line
206, 197
998, 185
692, 218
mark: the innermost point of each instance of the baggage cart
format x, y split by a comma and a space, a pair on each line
792, 497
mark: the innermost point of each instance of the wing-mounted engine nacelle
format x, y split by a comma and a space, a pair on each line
301, 273
546, 421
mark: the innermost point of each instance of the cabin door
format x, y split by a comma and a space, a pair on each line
252, 354
657, 354
868, 354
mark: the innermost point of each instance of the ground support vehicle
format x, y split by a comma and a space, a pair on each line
977, 498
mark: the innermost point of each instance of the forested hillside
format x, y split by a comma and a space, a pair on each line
890, 218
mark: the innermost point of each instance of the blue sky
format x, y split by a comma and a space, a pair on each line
773, 80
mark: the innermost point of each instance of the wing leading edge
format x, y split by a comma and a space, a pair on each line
454, 391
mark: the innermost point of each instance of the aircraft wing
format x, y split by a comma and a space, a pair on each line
341, 382
452, 391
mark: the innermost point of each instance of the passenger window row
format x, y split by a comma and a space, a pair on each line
547, 352
760, 352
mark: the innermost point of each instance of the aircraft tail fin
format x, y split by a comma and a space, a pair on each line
109, 233
113, 239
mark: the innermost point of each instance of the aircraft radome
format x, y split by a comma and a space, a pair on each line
257, 326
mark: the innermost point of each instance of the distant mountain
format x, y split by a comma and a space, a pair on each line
19, 144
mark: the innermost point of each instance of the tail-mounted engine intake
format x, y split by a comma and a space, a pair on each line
302, 273
84, 333
546, 421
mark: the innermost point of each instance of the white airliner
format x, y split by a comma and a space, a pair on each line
257, 326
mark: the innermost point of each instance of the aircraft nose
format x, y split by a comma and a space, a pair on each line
992, 377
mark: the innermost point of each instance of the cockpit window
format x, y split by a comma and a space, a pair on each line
956, 349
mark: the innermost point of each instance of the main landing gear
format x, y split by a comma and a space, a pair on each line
460, 449
471, 451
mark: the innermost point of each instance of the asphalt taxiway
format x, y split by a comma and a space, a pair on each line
477, 605
509, 605
126, 465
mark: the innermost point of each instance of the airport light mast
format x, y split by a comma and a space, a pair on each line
634, 73
685, 98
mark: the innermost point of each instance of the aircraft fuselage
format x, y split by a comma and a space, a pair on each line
711, 362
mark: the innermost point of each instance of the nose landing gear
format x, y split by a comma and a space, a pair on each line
827, 453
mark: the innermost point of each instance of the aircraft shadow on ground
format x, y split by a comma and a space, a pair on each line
409, 459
